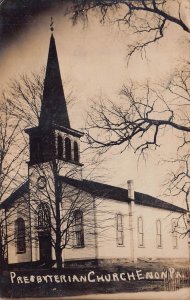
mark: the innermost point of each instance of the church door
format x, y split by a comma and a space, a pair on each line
45, 248
44, 233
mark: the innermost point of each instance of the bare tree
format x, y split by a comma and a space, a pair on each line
177, 182
63, 201
2, 245
20, 108
58, 211
139, 122
12, 151
144, 110
24, 96
11, 158
141, 117
148, 19
8, 234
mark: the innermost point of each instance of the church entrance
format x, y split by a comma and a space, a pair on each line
44, 233
45, 248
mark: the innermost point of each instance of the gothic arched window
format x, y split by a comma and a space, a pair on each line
20, 235
158, 234
44, 218
60, 146
68, 148
76, 152
140, 232
79, 228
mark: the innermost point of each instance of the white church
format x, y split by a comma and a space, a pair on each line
58, 215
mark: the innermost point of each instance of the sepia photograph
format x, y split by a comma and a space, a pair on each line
95, 149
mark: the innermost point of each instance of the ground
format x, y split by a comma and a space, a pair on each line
182, 294
114, 289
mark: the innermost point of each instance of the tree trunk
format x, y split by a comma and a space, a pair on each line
58, 249
1, 255
58, 255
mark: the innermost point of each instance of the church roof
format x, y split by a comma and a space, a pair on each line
116, 193
102, 190
53, 108
18, 193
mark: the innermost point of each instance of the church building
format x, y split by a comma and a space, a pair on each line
58, 217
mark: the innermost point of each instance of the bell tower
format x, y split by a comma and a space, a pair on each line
54, 138
54, 153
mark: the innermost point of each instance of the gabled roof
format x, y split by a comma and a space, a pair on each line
99, 189
147, 200
116, 193
106, 191
18, 193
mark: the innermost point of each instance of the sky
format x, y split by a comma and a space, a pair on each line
93, 62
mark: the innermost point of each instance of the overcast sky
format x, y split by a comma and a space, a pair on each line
93, 60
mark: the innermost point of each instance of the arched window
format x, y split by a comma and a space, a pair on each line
20, 235
140, 232
119, 224
79, 228
174, 233
68, 148
158, 234
44, 218
76, 152
60, 146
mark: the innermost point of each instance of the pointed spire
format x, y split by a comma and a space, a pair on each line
53, 108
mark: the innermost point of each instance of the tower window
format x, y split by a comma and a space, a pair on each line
76, 152
68, 148
36, 149
60, 146
20, 235
119, 224
79, 229
158, 234
140, 232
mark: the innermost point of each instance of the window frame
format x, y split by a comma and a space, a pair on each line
159, 242
174, 234
119, 230
79, 229
140, 229
59, 146
68, 152
76, 151
43, 217
20, 235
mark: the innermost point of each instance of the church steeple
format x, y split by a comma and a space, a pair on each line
53, 138
53, 108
